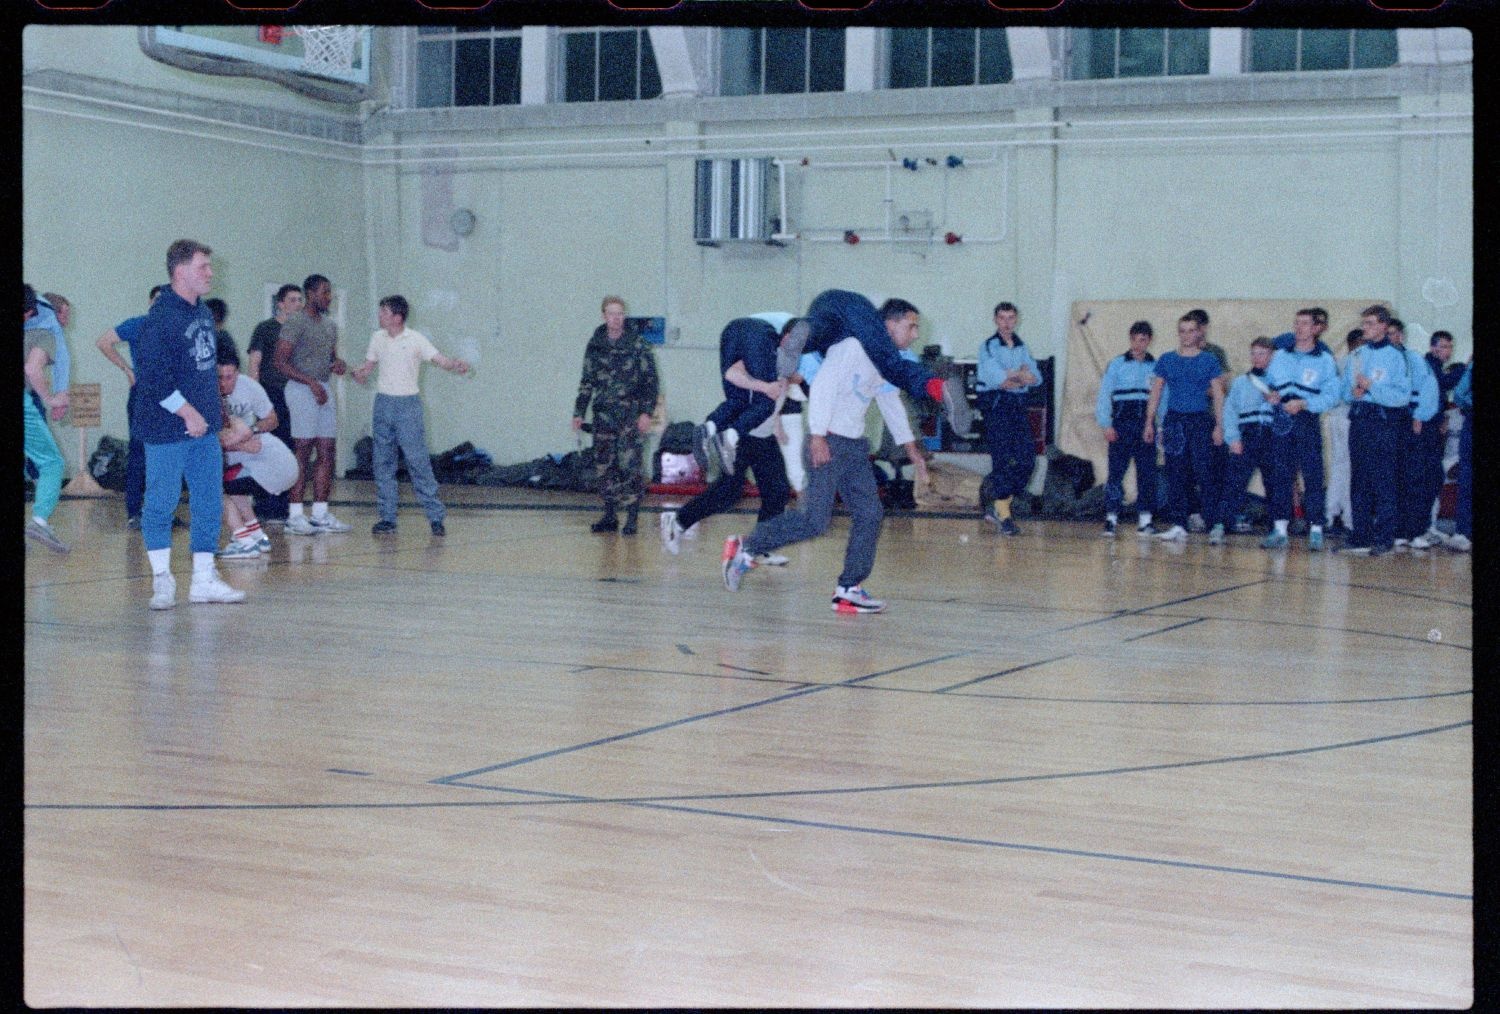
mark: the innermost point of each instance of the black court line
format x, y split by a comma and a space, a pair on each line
1161, 605
993, 675
1163, 630
1001, 780
800, 692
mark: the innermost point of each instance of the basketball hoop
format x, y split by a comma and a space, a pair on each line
328, 49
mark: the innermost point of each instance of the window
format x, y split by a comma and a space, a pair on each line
780, 61
468, 67
607, 65
945, 57
1320, 48
1136, 52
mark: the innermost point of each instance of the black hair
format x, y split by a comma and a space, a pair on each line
1438, 336
397, 305
281, 292
1142, 327
895, 309
312, 282
1005, 306
226, 352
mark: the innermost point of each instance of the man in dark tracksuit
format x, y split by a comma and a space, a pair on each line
837, 314
1377, 386
619, 378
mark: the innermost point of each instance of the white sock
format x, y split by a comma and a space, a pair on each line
161, 560
1281, 528
203, 565
294, 510
38, 519
320, 509
731, 438
1145, 518
1111, 518
1316, 528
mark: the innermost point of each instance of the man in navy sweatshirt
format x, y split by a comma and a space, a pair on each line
177, 417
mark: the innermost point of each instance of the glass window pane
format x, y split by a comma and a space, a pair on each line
739, 61
994, 56
1325, 49
507, 79
1374, 47
1187, 51
1093, 53
471, 72
619, 62
434, 74
1273, 49
578, 66
1142, 52
786, 61
827, 60
908, 58
952, 57
650, 75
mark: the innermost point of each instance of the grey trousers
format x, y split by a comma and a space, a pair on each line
850, 476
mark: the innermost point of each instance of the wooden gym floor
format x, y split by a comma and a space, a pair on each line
531, 766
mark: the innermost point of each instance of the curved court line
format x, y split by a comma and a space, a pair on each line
1003, 780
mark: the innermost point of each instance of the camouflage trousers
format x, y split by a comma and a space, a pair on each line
618, 461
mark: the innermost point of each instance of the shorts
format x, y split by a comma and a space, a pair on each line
309, 419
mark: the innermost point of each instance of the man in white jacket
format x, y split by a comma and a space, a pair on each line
839, 454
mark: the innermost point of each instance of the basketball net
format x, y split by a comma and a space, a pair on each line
328, 49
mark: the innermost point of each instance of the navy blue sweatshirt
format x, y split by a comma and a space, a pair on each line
175, 359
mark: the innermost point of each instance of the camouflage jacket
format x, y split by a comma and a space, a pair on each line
619, 377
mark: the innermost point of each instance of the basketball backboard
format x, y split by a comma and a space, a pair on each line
325, 62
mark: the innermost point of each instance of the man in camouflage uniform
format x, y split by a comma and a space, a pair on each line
619, 377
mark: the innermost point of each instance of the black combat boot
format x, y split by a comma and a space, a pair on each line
630, 513
608, 523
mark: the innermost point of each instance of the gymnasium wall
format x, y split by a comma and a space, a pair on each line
1103, 210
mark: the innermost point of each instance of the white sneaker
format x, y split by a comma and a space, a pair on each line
671, 532
329, 523
1435, 537
1421, 542
163, 591
771, 560
240, 549
1145, 529
855, 599
262, 543
211, 588
1196, 523
1460, 543
1174, 534
692, 530
300, 525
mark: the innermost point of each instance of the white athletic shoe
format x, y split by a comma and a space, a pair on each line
736, 562
771, 560
1196, 523
671, 532
163, 591
211, 588
1460, 543
300, 525
240, 549
855, 599
1174, 534
262, 543
1422, 542
329, 523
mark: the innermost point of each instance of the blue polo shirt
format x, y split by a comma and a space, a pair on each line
1188, 379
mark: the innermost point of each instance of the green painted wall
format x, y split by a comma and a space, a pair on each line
1045, 225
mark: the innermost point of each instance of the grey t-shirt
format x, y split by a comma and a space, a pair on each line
313, 344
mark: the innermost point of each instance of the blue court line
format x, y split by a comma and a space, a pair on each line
801, 692
1003, 780
1002, 672
1163, 630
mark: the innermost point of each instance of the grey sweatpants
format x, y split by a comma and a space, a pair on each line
850, 476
